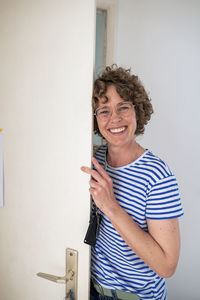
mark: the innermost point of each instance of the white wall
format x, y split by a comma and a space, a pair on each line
160, 41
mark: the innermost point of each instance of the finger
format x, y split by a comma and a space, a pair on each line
92, 172
85, 169
100, 169
93, 192
93, 184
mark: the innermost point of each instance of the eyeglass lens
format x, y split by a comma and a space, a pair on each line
106, 111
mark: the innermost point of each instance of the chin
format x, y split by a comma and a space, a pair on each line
118, 143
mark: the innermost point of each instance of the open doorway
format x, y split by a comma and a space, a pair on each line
101, 40
106, 20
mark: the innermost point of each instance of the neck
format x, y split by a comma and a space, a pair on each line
118, 157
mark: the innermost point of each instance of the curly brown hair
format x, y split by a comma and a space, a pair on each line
129, 87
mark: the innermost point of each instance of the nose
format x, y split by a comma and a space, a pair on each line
115, 117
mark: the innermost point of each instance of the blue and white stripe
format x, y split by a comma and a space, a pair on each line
146, 189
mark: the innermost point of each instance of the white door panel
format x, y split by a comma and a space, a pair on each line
46, 73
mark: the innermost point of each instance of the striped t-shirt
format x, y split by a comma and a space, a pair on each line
146, 189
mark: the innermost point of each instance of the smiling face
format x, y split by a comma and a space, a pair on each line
119, 129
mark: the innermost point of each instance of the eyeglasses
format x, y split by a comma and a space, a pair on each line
122, 109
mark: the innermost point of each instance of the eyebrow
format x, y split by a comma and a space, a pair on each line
120, 103
105, 106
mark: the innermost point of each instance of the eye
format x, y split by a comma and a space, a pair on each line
103, 112
125, 107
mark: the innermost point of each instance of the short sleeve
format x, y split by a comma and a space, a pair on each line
163, 200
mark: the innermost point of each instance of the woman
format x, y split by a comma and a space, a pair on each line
139, 241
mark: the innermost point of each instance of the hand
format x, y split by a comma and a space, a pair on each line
101, 188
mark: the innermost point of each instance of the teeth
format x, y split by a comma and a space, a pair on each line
117, 129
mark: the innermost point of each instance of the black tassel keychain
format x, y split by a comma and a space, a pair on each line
93, 228
95, 218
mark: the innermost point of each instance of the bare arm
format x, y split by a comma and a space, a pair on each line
159, 248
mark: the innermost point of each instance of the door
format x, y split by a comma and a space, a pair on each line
46, 74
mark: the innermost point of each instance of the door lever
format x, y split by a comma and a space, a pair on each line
71, 277
57, 279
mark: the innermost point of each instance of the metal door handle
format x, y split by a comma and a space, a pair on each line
71, 277
57, 279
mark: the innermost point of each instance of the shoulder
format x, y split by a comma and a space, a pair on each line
153, 170
154, 166
163, 197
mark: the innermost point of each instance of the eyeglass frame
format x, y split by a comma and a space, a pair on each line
121, 103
